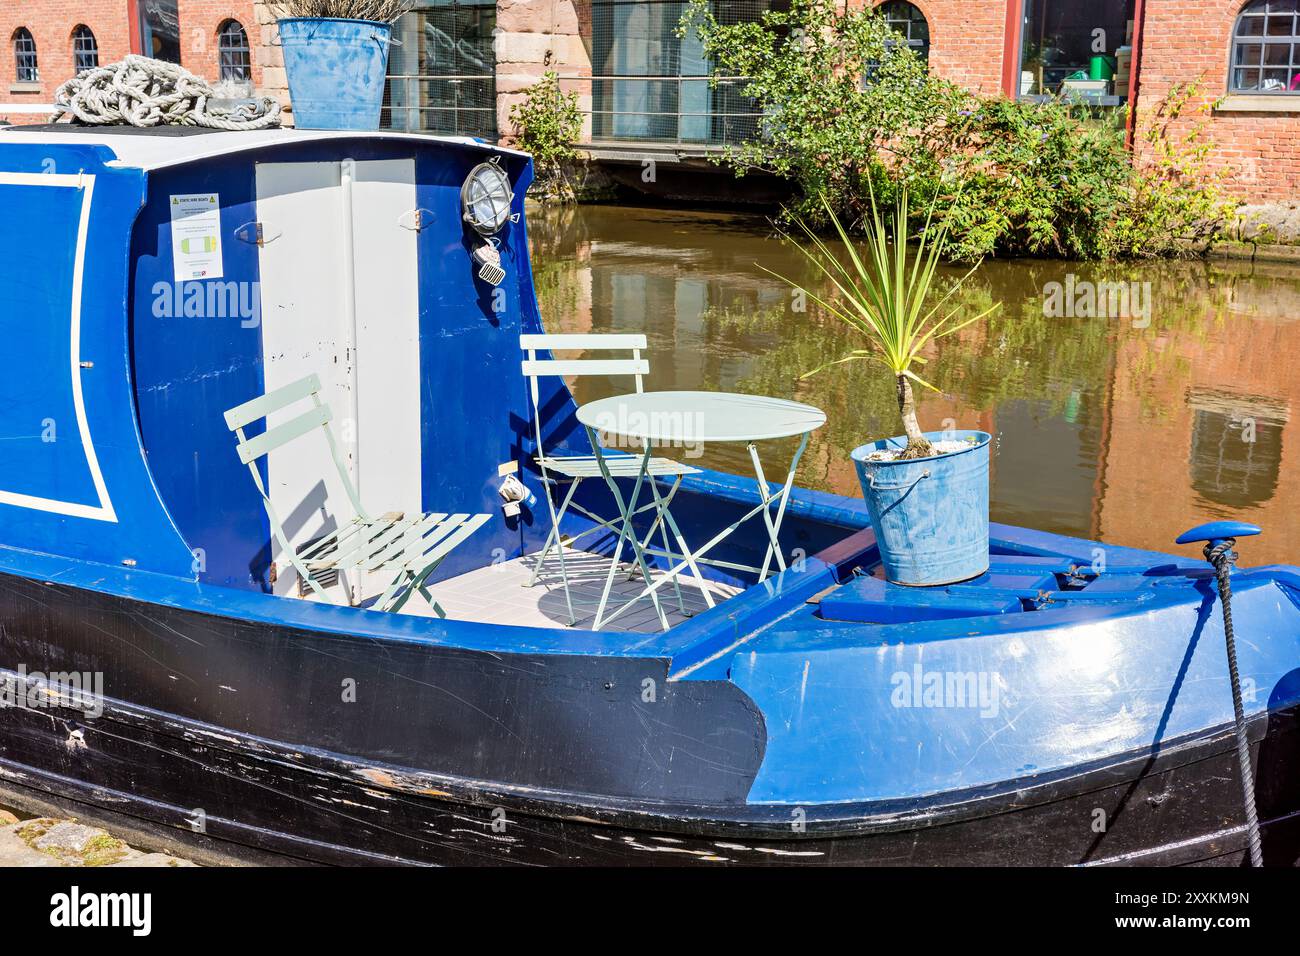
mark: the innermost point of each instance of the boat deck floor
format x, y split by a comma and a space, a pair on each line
498, 594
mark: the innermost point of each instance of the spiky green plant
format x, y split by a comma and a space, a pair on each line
888, 294
376, 11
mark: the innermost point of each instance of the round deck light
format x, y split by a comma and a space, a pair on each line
486, 198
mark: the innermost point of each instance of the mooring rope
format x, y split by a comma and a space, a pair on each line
1221, 557
141, 91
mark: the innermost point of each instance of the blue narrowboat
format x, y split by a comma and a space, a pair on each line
173, 665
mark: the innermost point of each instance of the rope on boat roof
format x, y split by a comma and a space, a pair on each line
141, 91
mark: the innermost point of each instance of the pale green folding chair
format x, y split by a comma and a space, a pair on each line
556, 469
409, 547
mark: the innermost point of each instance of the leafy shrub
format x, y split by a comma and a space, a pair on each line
1175, 203
835, 90
1036, 179
547, 124
846, 107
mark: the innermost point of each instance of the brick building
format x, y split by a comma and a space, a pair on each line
50, 40
462, 64
1248, 58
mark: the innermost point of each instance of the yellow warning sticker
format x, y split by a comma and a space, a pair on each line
196, 236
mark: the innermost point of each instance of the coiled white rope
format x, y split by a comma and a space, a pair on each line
141, 91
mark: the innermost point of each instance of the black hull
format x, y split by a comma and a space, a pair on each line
146, 775
158, 771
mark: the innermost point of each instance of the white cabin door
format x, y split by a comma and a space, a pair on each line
339, 296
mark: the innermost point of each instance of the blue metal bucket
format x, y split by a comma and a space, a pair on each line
930, 515
336, 71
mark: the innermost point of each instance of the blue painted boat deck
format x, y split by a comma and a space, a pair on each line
851, 605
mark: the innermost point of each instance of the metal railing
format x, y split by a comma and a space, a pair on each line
464, 104
684, 111
688, 112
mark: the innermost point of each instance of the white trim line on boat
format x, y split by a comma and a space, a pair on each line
85, 183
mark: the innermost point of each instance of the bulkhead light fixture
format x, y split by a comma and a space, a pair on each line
485, 198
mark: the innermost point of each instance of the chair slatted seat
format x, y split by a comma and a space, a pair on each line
574, 468
409, 546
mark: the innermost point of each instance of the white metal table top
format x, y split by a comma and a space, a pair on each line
689, 417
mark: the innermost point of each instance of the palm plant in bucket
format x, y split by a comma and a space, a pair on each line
373, 11
887, 292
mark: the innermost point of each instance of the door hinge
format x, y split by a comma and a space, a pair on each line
416, 219
255, 234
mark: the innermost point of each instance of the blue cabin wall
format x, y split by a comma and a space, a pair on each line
472, 391
50, 501
561, 431
188, 492
189, 369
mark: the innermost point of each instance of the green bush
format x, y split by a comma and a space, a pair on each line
1175, 203
846, 106
839, 94
1036, 179
547, 124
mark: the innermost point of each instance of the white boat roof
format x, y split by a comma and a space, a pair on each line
144, 151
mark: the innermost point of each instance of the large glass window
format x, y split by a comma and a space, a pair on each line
25, 69
650, 84
442, 78
1266, 48
1078, 50
910, 22
160, 30
85, 51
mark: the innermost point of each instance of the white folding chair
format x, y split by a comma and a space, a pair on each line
411, 547
574, 468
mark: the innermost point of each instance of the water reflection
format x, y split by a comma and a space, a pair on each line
1129, 429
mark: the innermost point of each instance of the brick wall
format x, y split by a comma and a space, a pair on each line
268, 57
534, 36
1182, 39
200, 21
51, 23
966, 40
966, 44
1190, 39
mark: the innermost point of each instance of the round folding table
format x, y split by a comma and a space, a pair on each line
689, 420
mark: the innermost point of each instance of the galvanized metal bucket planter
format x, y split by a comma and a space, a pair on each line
930, 515
336, 71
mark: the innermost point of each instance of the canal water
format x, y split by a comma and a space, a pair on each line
1126, 417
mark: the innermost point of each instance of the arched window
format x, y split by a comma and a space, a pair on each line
910, 22
232, 52
25, 57
1266, 48
85, 51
